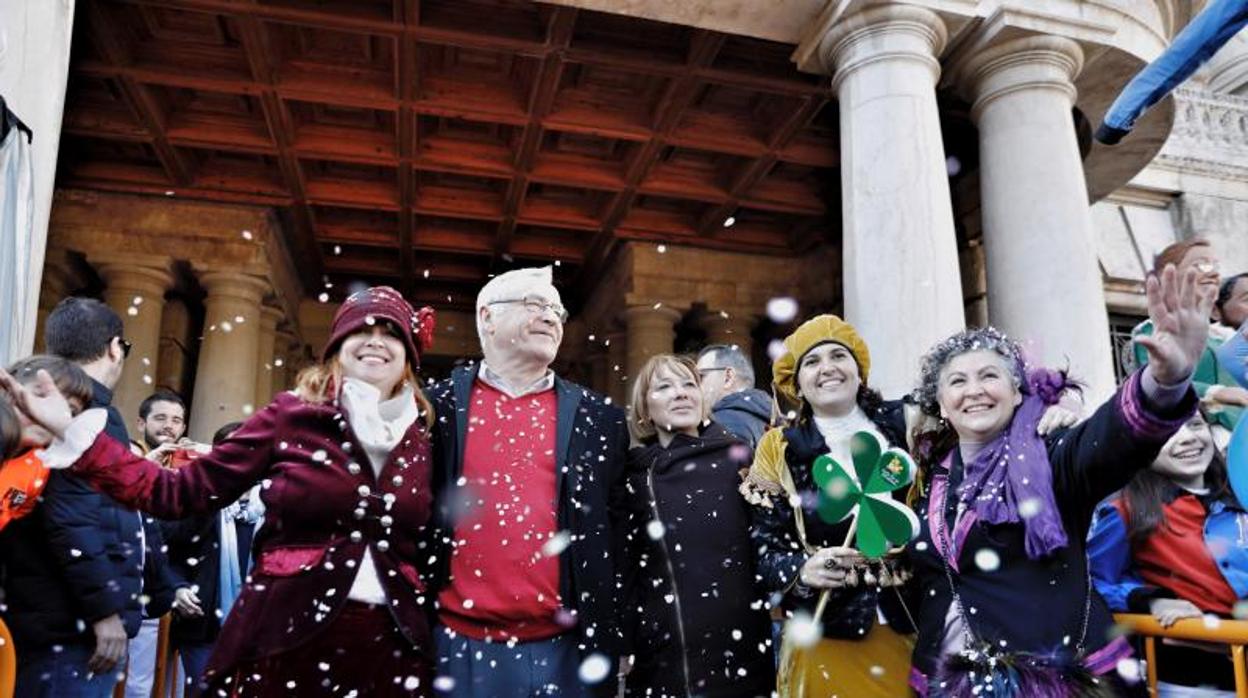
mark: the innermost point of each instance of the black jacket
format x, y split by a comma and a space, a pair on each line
1035, 605
76, 559
593, 502
745, 414
850, 613
701, 626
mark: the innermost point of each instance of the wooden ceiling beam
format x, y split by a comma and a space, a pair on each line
559, 29
712, 221
681, 92
138, 98
281, 131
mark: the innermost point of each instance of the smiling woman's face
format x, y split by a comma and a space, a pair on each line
375, 356
977, 394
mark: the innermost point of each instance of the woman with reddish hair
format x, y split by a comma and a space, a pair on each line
335, 604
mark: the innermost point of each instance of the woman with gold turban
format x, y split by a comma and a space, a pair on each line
863, 648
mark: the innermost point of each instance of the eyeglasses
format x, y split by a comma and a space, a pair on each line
537, 306
125, 348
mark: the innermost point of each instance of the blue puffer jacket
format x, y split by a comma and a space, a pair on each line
76, 559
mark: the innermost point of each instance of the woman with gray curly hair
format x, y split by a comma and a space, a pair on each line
1006, 513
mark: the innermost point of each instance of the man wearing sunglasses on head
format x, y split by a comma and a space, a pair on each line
88, 564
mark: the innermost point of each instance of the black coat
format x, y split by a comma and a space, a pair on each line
593, 502
1034, 605
850, 613
700, 621
194, 553
76, 559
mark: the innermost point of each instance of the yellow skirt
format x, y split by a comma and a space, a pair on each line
878, 665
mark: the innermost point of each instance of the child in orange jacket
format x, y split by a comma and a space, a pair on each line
23, 477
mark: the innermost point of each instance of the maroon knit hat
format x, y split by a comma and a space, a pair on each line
366, 308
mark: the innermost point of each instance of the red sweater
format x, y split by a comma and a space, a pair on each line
1175, 557
502, 584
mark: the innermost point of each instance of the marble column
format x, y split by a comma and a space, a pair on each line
901, 279
1044, 283
225, 378
266, 354
137, 294
730, 328
650, 331
175, 341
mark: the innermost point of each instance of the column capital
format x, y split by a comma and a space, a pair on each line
232, 284
1026, 63
270, 317
882, 33
150, 275
648, 315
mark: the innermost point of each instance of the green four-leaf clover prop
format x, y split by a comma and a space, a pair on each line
867, 493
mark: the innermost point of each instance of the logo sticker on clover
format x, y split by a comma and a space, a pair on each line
866, 494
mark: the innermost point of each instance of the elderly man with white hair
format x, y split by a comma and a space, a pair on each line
533, 517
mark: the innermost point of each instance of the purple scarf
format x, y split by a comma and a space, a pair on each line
1014, 469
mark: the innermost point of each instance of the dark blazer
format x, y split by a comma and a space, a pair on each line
76, 559
594, 504
324, 507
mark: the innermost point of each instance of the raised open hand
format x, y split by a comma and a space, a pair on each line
1179, 309
41, 401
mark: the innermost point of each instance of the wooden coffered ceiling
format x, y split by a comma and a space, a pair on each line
429, 143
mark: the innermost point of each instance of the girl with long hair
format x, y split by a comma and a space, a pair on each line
1174, 544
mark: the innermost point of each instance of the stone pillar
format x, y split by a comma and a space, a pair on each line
137, 294
1044, 283
651, 331
901, 279
225, 378
730, 328
175, 340
266, 354
283, 374
59, 281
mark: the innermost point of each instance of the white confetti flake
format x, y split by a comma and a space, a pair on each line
247, 235
132, 311
594, 669
655, 529
803, 630
1030, 507
730, 221
987, 560
324, 298
445, 684
782, 310
662, 249
557, 544
1129, 670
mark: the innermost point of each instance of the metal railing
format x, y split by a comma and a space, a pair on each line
1233, 633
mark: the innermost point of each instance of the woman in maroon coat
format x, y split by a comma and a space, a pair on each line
335, 604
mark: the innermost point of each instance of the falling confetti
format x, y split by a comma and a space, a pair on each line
782, 310
324, 298
987, 560
803, 630
247, 235
595, 668
662, 249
